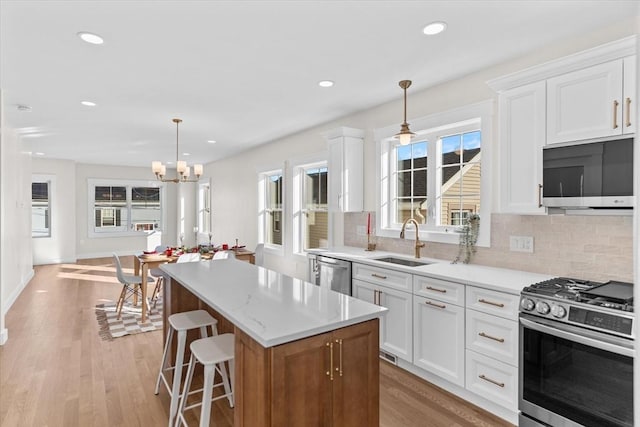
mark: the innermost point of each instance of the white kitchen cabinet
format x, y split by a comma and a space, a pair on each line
493, 380
346, 170
396, 327
439, 338
382, 276
591, 102
630, 103
492, 336
522, 136
493, 302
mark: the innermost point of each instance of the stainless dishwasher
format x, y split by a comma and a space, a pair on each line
331, 273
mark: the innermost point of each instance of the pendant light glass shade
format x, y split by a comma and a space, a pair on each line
405, 135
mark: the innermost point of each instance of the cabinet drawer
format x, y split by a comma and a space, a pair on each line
493, 380
382, 276
493, 302
441, 290
492, 336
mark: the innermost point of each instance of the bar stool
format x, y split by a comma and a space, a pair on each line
181, 323
212, 353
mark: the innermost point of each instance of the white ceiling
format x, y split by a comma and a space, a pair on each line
244, 72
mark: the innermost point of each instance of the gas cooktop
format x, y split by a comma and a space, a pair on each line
605, 307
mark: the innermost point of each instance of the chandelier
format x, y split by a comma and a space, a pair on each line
405, 134
182, 170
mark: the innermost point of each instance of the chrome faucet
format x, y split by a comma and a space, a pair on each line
418, 244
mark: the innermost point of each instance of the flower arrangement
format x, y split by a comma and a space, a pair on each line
468, 238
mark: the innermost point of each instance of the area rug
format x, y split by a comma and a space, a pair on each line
129, 323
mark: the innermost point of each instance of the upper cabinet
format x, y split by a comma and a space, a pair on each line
592, 103
346, 169
522, 136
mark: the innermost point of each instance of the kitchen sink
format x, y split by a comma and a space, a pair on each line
402, 261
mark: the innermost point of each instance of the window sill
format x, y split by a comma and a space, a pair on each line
451, 236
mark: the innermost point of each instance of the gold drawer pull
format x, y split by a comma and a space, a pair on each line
339, 342
444, 291
497, 304
628, 118
483, 335
435, 305
378, 276
330, 371
615, 114
482, 377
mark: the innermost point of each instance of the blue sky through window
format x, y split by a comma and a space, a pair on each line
419, 150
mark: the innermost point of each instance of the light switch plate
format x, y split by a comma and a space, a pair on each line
521, 244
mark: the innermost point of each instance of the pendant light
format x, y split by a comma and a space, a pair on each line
405, 134
182, 170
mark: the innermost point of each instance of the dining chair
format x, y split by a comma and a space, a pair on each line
131, 285
157, 274
224, 255
160, 277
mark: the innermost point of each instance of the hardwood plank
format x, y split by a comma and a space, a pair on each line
55, 370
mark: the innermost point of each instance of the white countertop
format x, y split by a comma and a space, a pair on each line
499, 279
270, 307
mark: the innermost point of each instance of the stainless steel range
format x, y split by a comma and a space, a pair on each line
576, 354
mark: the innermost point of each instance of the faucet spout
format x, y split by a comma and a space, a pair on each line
418, 244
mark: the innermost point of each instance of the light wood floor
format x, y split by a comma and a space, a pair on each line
55, 370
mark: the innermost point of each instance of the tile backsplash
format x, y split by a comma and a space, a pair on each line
586, 247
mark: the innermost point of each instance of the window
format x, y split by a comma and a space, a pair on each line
311, 216
204, 207
119, 207
273, 208
439, 179
40, 208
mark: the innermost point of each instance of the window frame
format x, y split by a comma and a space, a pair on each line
423, 127
264, 209
300, 209
92, 183
204, 209
50, 181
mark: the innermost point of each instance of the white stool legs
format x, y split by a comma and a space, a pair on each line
212, 353
181, 323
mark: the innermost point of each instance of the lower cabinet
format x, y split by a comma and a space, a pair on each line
493, 380
331, 379
396, 327
438, 337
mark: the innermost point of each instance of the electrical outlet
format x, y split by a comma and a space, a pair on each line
361, 230
521, 244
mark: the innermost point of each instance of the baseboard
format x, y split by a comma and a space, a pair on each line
6, 304
4, 336
54, 261
107, 254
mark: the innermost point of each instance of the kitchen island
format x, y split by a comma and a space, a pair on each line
305, 355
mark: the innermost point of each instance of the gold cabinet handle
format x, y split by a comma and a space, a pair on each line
379, 276
615, 114
499, 384
339, 370
497, 304
539, 195
435, 305
330, 371
375, 297
483, 335
444, 291
628, 112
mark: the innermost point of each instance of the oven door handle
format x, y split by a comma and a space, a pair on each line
568, 332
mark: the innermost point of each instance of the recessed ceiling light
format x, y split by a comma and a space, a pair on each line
435, 28
325, 83
90, 37
88, 103
211, 141
186, 154
39, 153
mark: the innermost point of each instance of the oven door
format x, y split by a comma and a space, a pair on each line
570, 376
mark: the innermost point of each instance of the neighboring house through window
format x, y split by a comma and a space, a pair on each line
204, 209
41, 190
271, 208
124, 207
311, 216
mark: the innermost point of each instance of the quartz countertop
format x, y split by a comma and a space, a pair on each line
270, 307
499, 279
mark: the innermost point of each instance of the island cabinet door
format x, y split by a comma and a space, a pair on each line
328, 380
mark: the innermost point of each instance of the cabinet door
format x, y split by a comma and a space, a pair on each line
522, 136
439, 338
356, 389
364, 291
301, 383
346, 174
629, 99
396, 331
585, 104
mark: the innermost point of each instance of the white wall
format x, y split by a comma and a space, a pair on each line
16, 268
61, 245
